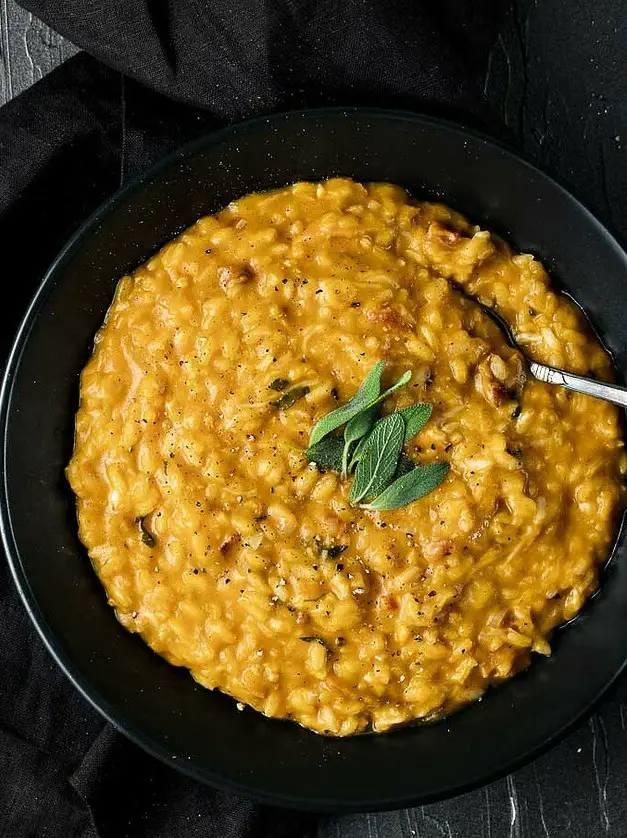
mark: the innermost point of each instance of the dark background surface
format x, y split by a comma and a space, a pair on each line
558, 78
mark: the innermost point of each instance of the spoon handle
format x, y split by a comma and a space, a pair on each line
589, 386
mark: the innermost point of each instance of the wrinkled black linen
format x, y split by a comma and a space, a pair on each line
155, 74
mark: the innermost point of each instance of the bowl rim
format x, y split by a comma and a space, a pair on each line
11, 549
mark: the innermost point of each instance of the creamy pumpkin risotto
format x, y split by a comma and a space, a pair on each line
233, 556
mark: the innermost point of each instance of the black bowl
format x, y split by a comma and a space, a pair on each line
159, 706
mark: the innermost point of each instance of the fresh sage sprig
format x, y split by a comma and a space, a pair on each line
367, 393
375, 470
360, 424
385, 476
416, 417
327, 454
410, 487
404, 466
358, 428
358, 453
368, 396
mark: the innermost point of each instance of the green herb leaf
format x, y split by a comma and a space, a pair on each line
402, 381
405, 465
290, 398
359, 452
366, 397
329, 551
416, 417
327, 454
358, 427
146, 536
412, 486
368, 391
334, 551
279, 384
377, 467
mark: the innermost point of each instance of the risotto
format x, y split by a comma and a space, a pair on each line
235, 557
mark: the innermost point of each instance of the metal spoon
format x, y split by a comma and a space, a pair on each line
550, 375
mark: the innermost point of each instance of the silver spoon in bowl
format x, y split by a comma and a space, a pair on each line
551, 375
590, 386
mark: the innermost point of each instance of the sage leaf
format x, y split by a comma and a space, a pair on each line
405, 465
371, 388
410, 487
359, 452
368, 391
358, 427
290, 398
377, 467
279, 384
327, 454
402, 381
416, 417
329, 551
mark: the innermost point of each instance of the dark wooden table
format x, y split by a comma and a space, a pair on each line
578, 789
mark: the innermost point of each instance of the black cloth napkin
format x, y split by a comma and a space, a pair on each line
156, 73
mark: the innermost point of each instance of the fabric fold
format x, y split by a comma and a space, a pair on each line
244, 58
